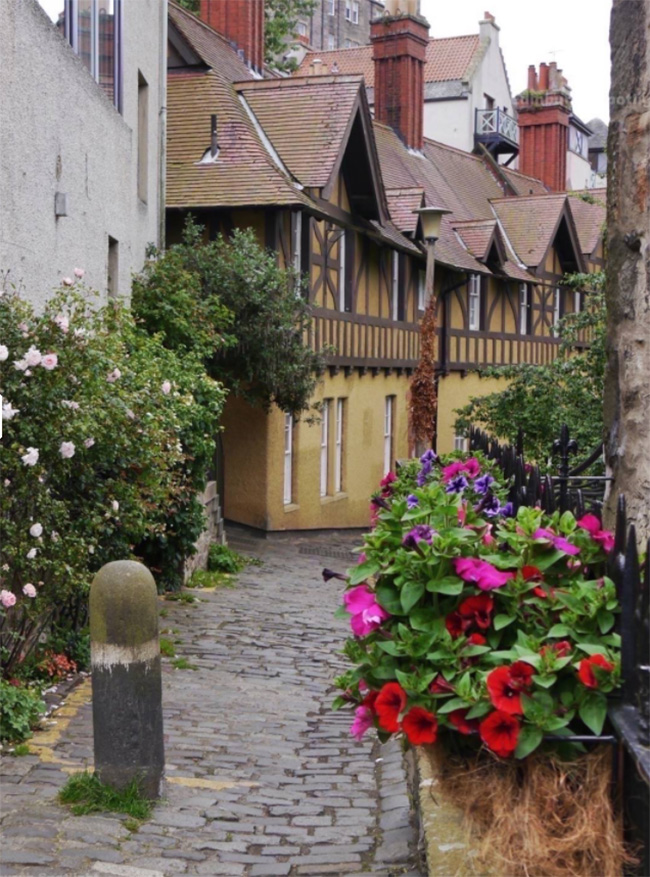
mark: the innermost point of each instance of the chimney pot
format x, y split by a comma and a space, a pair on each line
532, 78
543, 76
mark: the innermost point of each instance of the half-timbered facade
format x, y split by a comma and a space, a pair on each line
335, 194
296, 160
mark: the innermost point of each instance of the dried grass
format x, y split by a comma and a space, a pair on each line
539, 818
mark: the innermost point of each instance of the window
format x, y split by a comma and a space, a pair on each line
296, 247
348, 10
461, 443
331, 42
331, 7
143, 137
389, 417
474, 308
288, 459
524, 309
557, 307
301, 29
394, 305
94, 30
422, 290
489, 102
342, 272
577, 302
112, 274
351, 44
355, 12
324, 447
338, 435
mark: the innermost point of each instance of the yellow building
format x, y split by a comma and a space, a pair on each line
333, 192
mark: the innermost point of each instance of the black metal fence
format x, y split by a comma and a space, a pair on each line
572, 490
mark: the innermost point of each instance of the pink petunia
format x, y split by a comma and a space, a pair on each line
470, 467
486, 576
591, 524
558, 542
367, 614
363, 720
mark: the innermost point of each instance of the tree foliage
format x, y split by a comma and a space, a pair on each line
230, 303
538, 399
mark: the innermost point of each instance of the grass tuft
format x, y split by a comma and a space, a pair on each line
181, 597
203, 578
183, 664
167, 648
84, 793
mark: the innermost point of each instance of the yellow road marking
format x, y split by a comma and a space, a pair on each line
204, 783
44, 742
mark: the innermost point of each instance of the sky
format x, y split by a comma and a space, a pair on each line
575, 33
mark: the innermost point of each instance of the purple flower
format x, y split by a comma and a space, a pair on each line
482, 484
490, 506
330, 574
412, 501
421, 533
507, 510
421, 479
457, 485
428, 457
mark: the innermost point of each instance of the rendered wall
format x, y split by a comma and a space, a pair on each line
60, 133
455, 391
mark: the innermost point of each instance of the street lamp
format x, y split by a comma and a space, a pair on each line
423, 402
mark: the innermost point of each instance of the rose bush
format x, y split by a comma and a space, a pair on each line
108, 436
476, 623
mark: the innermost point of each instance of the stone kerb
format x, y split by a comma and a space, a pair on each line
213, 533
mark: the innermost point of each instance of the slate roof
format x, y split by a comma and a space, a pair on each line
282, 107
530, 223
590, 221
447, 58
402, 204
598, 139
476, 234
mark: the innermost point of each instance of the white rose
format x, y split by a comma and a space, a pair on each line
67, 450
36, 530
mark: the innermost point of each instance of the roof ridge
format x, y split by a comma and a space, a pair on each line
295, 81
453, 149
512, 198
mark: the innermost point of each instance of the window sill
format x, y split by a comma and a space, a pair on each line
325, 500
291, 507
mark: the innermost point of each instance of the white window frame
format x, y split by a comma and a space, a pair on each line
355, 12
342, 255
577, 301
460, 443
324, 446
331, 7
394, 286
348, 10
331, 42
389, 417
524, 308
474, 303
422, 289
557, 307
338, 447
302, 29
288, 459
296, 255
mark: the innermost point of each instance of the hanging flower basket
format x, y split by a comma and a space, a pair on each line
489, 635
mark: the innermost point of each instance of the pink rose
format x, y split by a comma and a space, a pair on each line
29, 590
7, 598
67, 450
49, 361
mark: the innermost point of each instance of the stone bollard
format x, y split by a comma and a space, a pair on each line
127, 686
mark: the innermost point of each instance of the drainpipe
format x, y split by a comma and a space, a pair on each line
162, 128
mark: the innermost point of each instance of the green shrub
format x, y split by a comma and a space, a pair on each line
224, 559
20, 710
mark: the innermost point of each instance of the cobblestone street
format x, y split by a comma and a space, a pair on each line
262, 778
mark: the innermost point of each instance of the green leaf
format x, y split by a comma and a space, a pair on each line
529, 739
479, 709
454, 703
423, 619
503, 621
593, 711
362, 571
342, 612
605, 620
387, 596
410, 594
390, 647
543, 561
448, 585
559, 630
472, 650
591, 649
545, 681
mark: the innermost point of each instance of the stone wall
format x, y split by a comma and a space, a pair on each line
214, 530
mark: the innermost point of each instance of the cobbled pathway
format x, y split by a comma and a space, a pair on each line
263, 779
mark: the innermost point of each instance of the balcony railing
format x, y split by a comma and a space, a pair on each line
494, 125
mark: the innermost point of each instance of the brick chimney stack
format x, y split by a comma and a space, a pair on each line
543, 114
399, 44
241, 22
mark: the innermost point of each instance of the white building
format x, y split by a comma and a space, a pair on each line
82, 97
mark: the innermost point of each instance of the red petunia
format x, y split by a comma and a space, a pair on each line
500, 733
562, 648
505, 685
440, 685
586, 673
540, 592
369, 701
476, 639
458, 720
420, 726
478, 610
389, 704
531, 574
456, 625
